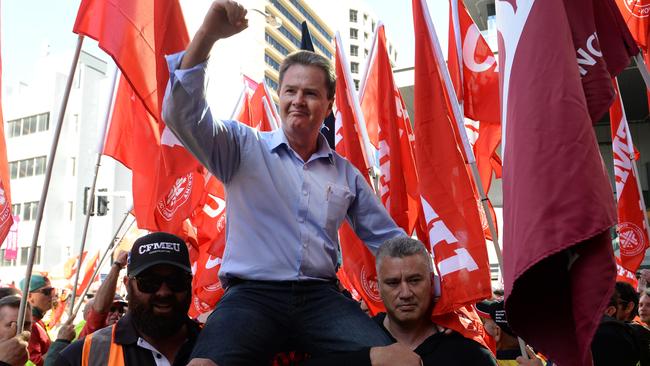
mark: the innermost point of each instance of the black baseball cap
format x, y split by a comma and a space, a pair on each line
158, 248
495, 310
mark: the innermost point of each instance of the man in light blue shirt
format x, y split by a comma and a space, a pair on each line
287, 194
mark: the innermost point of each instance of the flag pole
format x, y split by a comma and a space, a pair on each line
643, 69
91, 199
630, 147
111, 248
457, 109
46, 184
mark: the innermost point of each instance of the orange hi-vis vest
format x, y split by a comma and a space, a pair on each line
100, 349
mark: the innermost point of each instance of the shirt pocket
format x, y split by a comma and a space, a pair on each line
337, 201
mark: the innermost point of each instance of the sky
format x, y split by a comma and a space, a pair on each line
27, 26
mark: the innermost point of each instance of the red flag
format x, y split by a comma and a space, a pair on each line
90, 267
358, 261
258, 110
70, 266
479, 91
624, 275
453, 223
558, 205
635, 13
465, 321
161, 201
6, 219
398, 183
632, 221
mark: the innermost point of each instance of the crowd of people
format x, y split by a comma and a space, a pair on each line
287, 195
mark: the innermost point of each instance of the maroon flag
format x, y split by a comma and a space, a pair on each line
558, 202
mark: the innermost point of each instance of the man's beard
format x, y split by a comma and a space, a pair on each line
155, 325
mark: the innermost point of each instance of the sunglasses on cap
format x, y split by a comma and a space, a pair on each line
150, 284
45, 291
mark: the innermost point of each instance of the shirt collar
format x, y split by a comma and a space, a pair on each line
278, 138
127, 334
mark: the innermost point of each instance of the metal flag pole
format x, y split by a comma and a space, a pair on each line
46, 184
91, 198
643, 69
458, 115
111, 248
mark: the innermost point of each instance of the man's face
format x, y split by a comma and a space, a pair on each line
303, 100
8, 317
405, 288
115, 312
159, 299
644, 308
43, 298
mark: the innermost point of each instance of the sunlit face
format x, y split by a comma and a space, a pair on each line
406, 288
303, 101
43, 298
644, 308
9, 316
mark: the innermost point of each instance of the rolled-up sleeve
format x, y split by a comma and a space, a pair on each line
215, 143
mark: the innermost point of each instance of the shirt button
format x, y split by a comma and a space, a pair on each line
304, 245
304, 192
300, 219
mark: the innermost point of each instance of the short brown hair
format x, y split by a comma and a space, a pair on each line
308, 58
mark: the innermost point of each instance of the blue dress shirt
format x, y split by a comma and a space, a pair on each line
283, 213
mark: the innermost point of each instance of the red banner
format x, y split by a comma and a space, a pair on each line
636, 14
453, 222
89, 269
398, 183
632, 221
6, 218
358, 261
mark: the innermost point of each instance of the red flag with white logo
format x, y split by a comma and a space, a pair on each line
477, 85
636, 14
161, 201
558, 204
358, 261
398, 182
624, 275
453, 223
258, 110
6, 218
632, 225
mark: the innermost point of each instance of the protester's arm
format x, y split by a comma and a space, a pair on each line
106, 291
369, 218
216, 144
13, 351
53, 353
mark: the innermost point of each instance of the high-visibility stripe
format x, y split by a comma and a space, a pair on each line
100, 350
86, 349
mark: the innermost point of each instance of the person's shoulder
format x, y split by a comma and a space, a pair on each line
71, 355
455, 349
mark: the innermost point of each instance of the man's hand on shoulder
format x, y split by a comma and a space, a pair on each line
395, 354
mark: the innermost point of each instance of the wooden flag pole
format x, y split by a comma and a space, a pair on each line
46, 184
91, 198
111, 248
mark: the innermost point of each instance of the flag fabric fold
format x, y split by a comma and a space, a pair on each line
558, 206
454, 228
6, 218
387, 129
635, 15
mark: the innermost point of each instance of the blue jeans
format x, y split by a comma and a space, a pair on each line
257, 319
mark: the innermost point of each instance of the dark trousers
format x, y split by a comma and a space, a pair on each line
257, 319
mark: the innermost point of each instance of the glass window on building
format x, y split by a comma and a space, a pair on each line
354, 50
354, 67
39, 165
354, 33
373, 25
29, 210
24, 256
22, 169
15, 209
356, 84
13, 169
43, 122
353, 15
365, 52
365, 35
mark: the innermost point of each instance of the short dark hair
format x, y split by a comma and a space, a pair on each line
627, 294
12, 301
8, 291
402, 247
308, 58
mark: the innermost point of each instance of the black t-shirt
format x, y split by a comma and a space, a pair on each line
439, 349
614, 344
